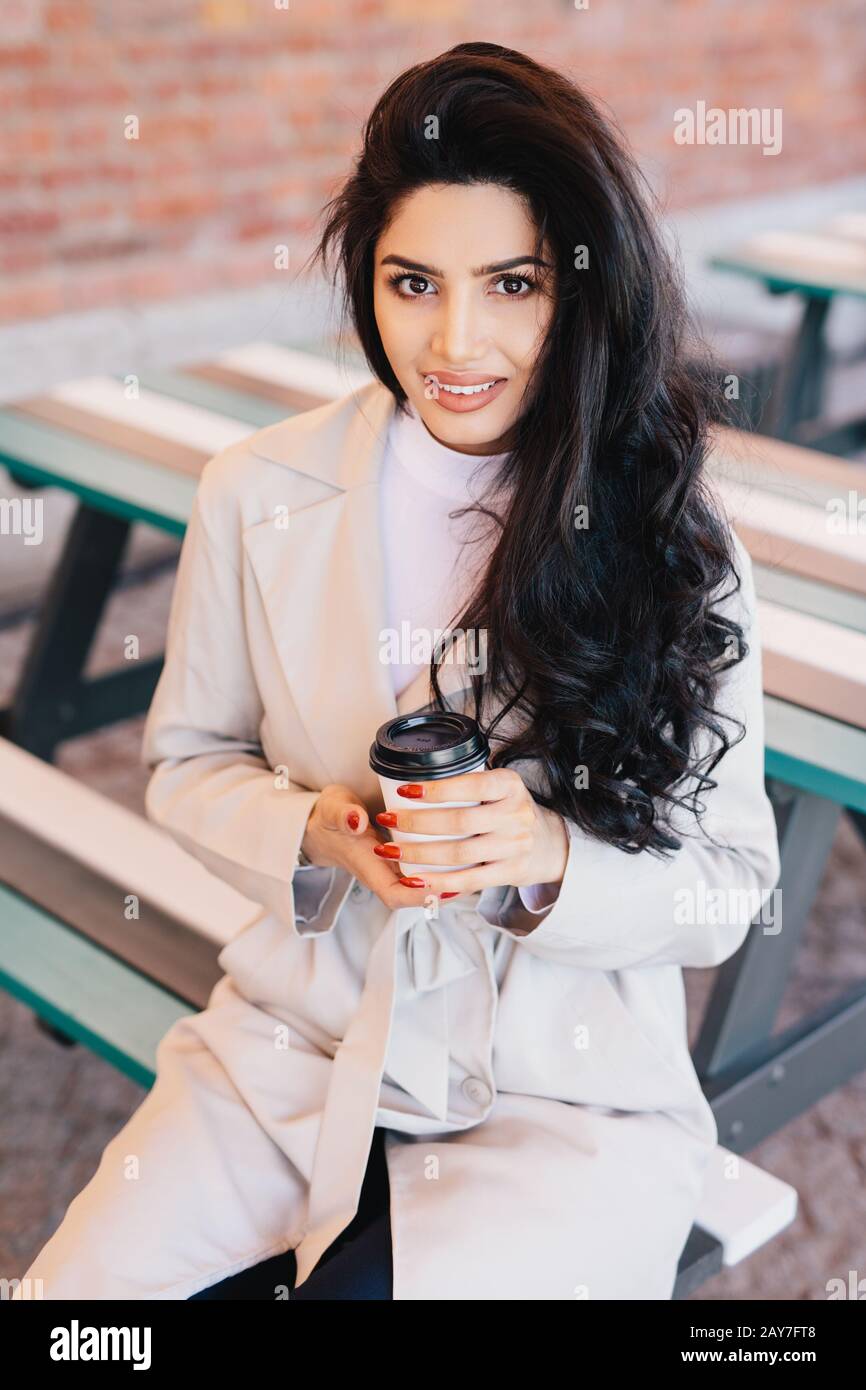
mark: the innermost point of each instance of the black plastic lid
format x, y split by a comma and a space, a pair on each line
425, 746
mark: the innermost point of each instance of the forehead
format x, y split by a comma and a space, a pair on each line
494, 224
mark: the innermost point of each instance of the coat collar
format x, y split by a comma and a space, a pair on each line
322, 584
341, 443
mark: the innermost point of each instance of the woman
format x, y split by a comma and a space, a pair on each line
474, 1083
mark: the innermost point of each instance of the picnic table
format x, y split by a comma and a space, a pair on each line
819, 268
67, 856
130, 460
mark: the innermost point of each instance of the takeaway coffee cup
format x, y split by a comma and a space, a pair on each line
425, 748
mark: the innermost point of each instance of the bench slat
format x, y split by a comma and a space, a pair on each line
743, 1206
810, 596
60, 813
109, 479
814, 663
172, 433
778, 466
814, 753
290, 376
196, 390
86, 993
167, 951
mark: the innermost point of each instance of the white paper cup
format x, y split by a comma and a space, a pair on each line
424, 748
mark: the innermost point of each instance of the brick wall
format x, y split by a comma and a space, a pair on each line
245, 114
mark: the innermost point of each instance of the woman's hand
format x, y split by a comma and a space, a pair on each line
339, 833
513, 840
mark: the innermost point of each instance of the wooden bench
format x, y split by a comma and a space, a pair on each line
108, 929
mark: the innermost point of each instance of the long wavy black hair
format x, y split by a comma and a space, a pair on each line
603, 637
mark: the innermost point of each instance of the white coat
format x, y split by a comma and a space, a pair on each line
547, 1131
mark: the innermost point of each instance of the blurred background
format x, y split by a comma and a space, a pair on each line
163, 167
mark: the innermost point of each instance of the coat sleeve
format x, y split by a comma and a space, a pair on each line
211, 787
615, 910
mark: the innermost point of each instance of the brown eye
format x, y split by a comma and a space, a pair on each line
396, 281
518, 280
417, 284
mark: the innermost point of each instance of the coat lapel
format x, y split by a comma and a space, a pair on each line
322, 583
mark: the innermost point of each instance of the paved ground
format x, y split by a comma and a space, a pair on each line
59, 1107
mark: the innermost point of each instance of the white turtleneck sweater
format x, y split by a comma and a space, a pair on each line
427, 576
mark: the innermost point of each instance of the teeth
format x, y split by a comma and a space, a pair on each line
466, 390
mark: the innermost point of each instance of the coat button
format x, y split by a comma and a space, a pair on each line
477, 1091
359, 892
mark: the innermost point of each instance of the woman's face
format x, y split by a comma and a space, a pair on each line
447, 317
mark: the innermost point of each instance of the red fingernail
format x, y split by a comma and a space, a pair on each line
449, 895
353, 820
387, 851
387, 817
411, 789
412, 882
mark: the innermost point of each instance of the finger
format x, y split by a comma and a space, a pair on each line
488, 784
346, 817
381, 875
455, 821
475, 850
356, 819
455, 881
385, 879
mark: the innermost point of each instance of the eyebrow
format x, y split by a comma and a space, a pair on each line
480, 270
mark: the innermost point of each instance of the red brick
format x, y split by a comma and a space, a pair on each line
247, 127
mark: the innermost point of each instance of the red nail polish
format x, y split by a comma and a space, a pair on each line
449, 895
413, 789
353, 820
387, 818
387, 851
412, 882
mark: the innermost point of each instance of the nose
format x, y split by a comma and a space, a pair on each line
460, 334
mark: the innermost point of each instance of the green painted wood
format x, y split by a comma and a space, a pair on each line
107, 478
779, 283
810, 596
815, 753
83, 990
193, 390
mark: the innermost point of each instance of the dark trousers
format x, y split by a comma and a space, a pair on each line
356, 1265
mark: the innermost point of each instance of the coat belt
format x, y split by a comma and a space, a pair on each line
412, 960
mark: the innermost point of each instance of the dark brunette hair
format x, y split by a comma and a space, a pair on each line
603, 639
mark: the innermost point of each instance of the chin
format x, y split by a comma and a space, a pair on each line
475, 427
459, 426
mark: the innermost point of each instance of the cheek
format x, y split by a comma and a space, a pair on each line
534, 337
382, 317
523, 337
399, 335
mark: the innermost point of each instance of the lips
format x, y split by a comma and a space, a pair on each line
462, 378
474, 395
